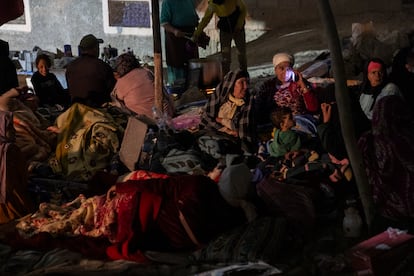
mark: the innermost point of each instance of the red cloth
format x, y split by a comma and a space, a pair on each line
148, 206
381, 254
10, 10
148, 217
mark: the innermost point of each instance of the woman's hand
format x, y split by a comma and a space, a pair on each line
301, 83
179, 33
219, 120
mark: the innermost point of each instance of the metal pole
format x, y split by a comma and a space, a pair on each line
158, 69
344, 103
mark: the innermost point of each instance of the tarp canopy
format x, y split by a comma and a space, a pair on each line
10, 10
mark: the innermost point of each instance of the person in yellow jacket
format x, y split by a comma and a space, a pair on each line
232, 14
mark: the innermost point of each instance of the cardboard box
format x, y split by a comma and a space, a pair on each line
382, 253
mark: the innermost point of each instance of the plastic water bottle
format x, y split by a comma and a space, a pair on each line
149, 141
352, 223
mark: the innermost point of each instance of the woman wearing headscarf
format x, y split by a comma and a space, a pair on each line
375, 85
229, 109
287, 89
388, 151
134, 90
14, 202
135, 85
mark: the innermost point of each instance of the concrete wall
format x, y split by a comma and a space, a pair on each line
59, 22
284, 12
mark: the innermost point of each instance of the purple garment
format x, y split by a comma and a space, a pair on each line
388, 153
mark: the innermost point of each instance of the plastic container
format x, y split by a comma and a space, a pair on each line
352, 223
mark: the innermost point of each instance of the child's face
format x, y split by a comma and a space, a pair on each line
42, 67
288, 122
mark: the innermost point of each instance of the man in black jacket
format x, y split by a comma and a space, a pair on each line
90, 80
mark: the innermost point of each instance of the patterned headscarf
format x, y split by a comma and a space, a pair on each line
125, 63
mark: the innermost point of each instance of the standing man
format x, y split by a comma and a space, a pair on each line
90, 80
179, 19
232, 15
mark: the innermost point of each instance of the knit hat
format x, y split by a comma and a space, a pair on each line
282, 57
89, 41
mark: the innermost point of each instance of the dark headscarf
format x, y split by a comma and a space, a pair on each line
125, 63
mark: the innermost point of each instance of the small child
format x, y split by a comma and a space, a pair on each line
46, 85
287, 142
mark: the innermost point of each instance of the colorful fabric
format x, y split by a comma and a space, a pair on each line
32, 137
284, 142
271, 94
87, 141
14, 202
289, 95
388, 157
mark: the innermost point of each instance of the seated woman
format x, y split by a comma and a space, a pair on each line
388, 152
287, 89
375, 85
134, 90
14, 200
46, 85
134, 87
229, 110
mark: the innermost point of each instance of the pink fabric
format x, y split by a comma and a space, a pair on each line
374, 66
136, 90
